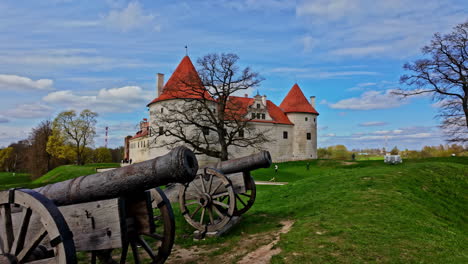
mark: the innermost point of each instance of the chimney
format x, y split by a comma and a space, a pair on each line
312, 101
246, 95
160, 83
264, 100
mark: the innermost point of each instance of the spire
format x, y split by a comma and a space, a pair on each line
296, 102
183, 83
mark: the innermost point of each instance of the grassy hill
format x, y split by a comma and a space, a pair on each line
343, 212
71, 171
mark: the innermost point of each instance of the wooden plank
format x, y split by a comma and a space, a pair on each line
95, 225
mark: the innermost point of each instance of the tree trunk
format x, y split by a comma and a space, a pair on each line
465, 110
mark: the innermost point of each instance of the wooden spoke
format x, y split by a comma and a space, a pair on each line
31, 245
220, 195
210, 213
202, 215
196, 211
196, 188
136, 256
123, 256
211, 183
240, 200
22, 231
218, 212
44, 261
7, 227
192, 203
203, 184
217, 187
221, 204
246, 195
146, 247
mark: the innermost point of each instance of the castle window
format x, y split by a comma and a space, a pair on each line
162, 110
285, 134
138, 144
205, 131
253, 115
263, 116
306, 119
161, 131
241, 133
309, 136
314, 119
258, 106
258, 115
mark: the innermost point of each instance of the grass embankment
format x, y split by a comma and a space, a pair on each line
347, 212
66, 172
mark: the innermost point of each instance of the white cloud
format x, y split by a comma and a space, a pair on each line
373, 123
29, 111
377, 28
319, 74
123, 99
15, 82
308, 43
370, 100
131, 17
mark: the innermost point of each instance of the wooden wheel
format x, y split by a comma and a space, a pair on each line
32, 230
208, 202
245, 200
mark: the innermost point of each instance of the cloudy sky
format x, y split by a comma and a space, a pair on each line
103, 55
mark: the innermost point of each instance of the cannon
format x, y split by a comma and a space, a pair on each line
103, 214
219, 192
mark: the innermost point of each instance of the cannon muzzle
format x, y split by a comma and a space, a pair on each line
179, 165
247, 163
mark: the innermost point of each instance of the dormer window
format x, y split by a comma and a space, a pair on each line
258, 115
258, 106
263, 116
253, 115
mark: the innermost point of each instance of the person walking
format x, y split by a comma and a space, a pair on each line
308, 165
276, 168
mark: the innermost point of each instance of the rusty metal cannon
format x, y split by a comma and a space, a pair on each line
97, 213
219, 193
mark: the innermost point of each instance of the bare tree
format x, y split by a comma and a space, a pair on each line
209, 118
444, 75
79, 131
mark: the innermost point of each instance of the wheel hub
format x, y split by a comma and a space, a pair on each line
205, 200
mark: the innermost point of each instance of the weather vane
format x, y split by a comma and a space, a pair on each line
186, 50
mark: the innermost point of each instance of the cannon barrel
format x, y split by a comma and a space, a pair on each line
179, 165
247, 163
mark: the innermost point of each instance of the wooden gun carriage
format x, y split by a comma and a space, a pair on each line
105, 214
219, 193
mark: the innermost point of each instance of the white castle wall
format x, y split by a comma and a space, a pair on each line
295, 147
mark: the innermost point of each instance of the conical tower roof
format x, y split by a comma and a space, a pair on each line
184, 83
296, 102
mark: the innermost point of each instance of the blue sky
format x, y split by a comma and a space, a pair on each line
104, 55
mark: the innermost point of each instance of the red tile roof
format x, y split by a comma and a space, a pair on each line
296, 102
184, 83
140, 133
278, 116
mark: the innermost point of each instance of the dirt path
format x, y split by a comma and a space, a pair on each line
255, 248
264, 253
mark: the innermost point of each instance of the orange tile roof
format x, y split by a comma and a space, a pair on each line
296, 102
278, 116
184, 83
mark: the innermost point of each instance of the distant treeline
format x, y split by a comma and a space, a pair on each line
66, 140
341, 152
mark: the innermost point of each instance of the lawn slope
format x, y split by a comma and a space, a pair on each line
66, 172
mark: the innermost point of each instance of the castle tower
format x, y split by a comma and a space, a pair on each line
304, 116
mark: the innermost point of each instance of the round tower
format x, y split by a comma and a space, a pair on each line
303, 115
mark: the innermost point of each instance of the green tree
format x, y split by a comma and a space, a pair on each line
339, 152
394, 151
6, 157
76, 130
103, 155
323, 153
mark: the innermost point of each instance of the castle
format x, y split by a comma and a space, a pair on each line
292, 125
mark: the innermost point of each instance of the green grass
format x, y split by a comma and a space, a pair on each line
66, 172
348, 212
